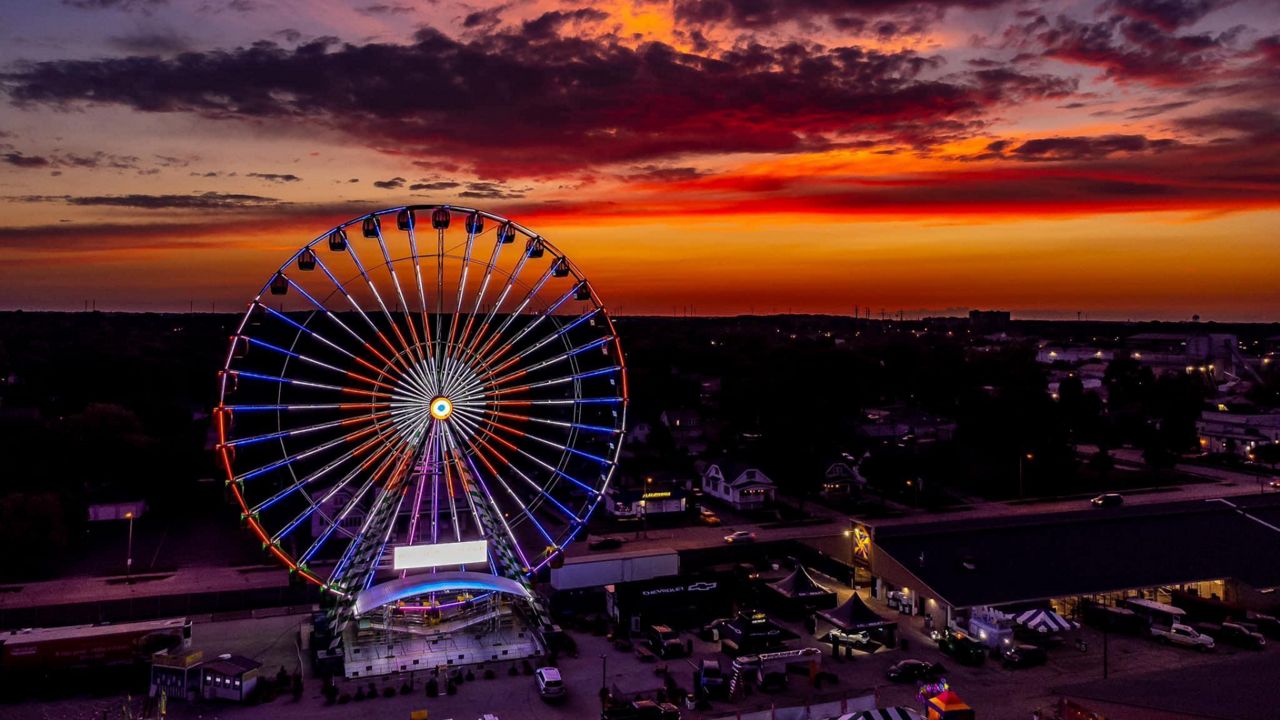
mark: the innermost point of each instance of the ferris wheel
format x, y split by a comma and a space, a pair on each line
425, 398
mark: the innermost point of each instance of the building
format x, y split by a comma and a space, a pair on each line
686, 429
899, 422
1217, 354
843, 478
741, 487
229, 677
650, 498
1207, 548
176, 673
1239, 434
1054, 354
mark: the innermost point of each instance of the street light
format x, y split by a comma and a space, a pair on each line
1024, 456
128, 553
604, 667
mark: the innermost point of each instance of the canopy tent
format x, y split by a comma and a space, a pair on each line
1046, 621
891, 713
753, 632
854, 616
800, 589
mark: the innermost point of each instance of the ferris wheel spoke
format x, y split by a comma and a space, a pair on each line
335, 522
557, 381
294, 432
549, 312
312, 361
303, 482
420, 471
321, 338
497, 511
497, 305
377, 296
387, 362
554, 445
297, 407
558, 423
448, 485
477, 444
518, 311
395, 281
453, 449
462, 282
555, 471
280, 380
484, 286
290, 459
355, 305
424, 316
357, 542
571, 352
563, 401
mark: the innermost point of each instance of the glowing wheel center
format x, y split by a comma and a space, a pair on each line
441, 408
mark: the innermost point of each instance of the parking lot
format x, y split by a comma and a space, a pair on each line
993, 691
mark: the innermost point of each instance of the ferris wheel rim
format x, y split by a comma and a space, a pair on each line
467, 418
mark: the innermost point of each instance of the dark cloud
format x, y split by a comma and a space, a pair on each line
1128, 49
274, 177
289, 35
1088, 148
556, 103
143, 6
549, 24
383, 9
435, 185
486, 19
1166, 14
97, 160
1257, 127
173, 161
17, 159
844, 15
196, 201
1145, 111
394, 183
151, 43
656, 173
492, 191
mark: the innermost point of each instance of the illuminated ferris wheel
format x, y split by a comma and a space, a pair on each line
423, 400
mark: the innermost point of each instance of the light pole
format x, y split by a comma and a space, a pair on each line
604, 668
1021, 457
128, 553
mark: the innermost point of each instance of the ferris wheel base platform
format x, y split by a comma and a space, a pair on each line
381, 650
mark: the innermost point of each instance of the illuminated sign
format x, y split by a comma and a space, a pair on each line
408, 557
657, 495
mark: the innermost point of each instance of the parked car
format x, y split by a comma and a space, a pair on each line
1266, 624
605, 543
1021, 656
664, 642
550, 684
911, 670
740, 536
1106, 500
1179, 634
1237, 634
963, 648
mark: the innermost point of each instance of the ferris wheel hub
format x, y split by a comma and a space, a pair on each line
441, 408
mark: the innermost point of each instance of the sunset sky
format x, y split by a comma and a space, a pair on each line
1119, 158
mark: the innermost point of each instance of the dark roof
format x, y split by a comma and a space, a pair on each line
800, 584
1242, 687
854, 615
1009, 559
232, 666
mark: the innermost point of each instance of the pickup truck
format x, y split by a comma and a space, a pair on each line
1179, 634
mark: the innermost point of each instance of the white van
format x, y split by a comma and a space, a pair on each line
550, 684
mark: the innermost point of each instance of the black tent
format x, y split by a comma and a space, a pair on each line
855, 618
753, 632
799, 591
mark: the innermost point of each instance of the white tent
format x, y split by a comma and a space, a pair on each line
1044, 621
892, 713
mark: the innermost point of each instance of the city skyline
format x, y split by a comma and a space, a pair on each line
1112, 158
